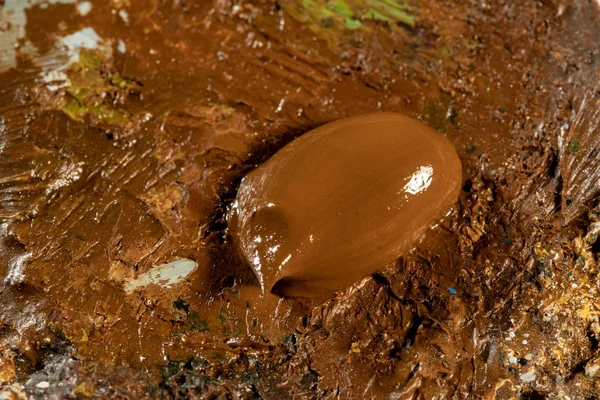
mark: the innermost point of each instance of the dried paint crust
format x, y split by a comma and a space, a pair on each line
125, 127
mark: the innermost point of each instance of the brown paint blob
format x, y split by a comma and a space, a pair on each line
342, 201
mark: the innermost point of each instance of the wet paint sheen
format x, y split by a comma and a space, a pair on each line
342, 201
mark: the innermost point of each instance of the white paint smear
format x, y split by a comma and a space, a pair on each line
84, 8
164, 275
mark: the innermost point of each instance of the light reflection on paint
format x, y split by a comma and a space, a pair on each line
419, 180
288, 258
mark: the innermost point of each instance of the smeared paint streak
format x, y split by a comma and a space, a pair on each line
330, 18
14, 11
164, 275
87, 38
55, 76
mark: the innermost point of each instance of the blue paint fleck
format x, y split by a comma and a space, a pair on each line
102, 390
6, 281
566, 126
452, 290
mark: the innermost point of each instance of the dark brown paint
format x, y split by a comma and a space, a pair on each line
342, 201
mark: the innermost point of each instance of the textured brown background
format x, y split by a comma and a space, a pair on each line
131, 163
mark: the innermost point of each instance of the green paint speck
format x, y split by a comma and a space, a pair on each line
573, 146
340, 7
197, 323
351, 23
